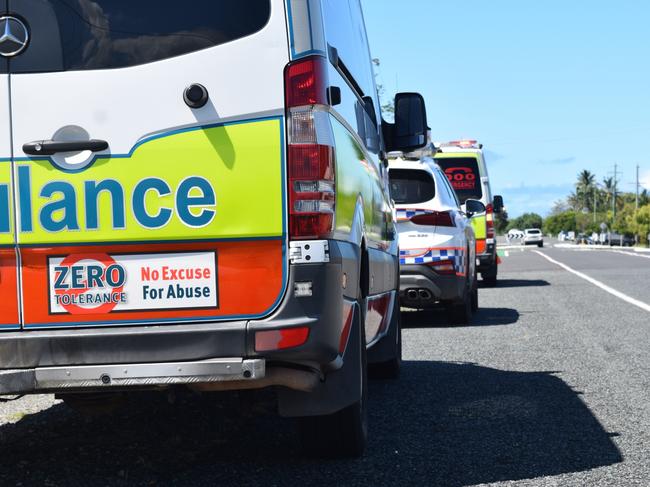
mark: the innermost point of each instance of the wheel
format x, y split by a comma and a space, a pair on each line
390, 369
490, 275
460, 311
344, 433
540, 245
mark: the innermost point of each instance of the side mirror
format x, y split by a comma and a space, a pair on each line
497, 203
472, 207
409, 132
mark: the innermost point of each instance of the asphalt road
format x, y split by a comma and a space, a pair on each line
550, 385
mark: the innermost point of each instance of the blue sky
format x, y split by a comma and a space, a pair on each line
550, 88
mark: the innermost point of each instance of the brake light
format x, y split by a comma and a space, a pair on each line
311, 164
437, 218
306, 82
489, 218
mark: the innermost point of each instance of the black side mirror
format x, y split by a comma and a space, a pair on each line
497, 204
472, 207
409, 132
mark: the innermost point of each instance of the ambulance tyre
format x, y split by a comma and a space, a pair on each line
475, 293
390, 346
540, 245
344, 433
490, 275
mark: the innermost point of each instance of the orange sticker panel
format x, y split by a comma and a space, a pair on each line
481, 246
9, 318
156, 283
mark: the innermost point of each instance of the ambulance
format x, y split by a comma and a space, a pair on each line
196, 196
463, 162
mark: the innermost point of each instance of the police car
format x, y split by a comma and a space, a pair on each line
436, 239
196, 197
463, 161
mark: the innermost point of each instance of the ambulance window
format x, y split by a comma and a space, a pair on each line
464, 176
346, 32
408, 186
103, 34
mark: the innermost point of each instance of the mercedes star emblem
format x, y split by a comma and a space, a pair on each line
14, 36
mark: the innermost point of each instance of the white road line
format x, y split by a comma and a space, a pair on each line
604, 287
633, 254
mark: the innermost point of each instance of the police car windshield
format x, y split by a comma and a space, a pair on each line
409, 186
101, 34
464, 176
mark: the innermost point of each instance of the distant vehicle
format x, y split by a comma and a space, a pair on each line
584, 239
562, 236
571, 236
622, 240
437, 246
533, 236
463, 162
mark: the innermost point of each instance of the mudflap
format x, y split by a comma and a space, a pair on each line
339, 389
384, 350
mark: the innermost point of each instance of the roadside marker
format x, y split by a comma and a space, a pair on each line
604, 287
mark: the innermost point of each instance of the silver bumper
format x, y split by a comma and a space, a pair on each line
46, 379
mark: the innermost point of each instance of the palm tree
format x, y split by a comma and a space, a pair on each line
584, 187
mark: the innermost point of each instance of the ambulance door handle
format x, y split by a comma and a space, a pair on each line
51, 147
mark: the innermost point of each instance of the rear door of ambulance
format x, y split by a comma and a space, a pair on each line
136, 200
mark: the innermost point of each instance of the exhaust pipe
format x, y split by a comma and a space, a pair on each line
424, 294
412, 294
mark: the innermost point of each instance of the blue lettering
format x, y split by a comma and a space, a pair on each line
61, 272
68, 204
92, 192
77, 277
5, 222
115, 275
25, 198
139, 204
185, 202
95, 273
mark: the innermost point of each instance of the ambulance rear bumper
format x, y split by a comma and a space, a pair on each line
84, 358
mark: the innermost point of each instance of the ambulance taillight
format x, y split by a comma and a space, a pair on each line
311, 165
489, 219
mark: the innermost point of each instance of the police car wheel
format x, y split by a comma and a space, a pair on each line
460, 311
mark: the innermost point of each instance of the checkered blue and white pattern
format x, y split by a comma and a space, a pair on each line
426, 256
407, 214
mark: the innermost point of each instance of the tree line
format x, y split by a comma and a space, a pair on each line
591, 207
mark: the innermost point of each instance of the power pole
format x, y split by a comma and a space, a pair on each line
615, 189
636, 201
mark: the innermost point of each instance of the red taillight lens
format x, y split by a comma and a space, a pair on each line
306, 82
312, 191
269, 340
311, 165
438, 218
489, 219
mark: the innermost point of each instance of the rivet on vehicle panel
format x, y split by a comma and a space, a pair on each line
67, 372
